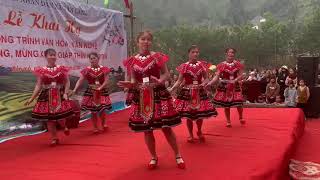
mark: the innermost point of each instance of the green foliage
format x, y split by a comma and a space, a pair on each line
292, 27
309, 40
256, 47
167, 13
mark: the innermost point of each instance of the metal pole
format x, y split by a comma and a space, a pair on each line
275, 48
87, 1
131, 33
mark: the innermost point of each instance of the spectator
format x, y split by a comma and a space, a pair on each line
261, 75
275, 72
252, 88
171, 80
290, 94
303, 95
292, 76
252, 76
282, 76
120, 70
278, 100
265, 79
261, 99
272, 90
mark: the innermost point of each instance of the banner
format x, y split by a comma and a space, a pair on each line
28, 27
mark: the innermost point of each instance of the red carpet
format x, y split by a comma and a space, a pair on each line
308, 151
260, 150
309, 139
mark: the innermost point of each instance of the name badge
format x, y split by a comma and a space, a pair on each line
54, 84
145, 80
195, 82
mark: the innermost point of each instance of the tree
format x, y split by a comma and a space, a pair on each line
310, 39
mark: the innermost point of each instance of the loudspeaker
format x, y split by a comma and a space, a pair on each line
309, 70
313, 105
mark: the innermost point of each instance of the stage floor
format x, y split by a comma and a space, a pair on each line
307, 156
259, 150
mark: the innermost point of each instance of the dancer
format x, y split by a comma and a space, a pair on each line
152, 105
229, 73
52, 104
96, 98
192, 101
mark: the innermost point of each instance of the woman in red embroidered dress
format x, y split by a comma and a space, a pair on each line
96, 98
52, 104
192, 101
152, 105
229, 73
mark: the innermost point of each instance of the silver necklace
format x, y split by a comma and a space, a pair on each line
143, 58
51, 69
96, 69
194, 65
230, 64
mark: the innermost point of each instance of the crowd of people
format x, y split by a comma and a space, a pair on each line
277, 86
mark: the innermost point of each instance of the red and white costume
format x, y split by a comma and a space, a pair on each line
228, 94
152, 106
96, 100
50, 103
192, 101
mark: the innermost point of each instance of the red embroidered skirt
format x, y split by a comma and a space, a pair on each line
188, 106
96, 100
51, 106
228, 95
161, 114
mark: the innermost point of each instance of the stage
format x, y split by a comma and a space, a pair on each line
261, 149
305, 163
